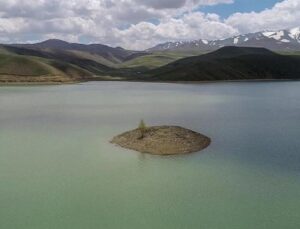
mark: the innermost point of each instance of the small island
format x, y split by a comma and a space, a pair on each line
162, 140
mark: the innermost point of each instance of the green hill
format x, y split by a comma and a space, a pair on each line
23, 66
66, 56
230, 63
16, 68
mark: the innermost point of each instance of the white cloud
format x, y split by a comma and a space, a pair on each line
189, 27
133, 24
285, 14
12, 25
158, 4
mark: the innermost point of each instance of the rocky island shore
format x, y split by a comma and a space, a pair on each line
163, 140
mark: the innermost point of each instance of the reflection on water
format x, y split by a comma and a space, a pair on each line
58, 169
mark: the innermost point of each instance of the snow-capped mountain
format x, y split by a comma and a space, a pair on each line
282, 40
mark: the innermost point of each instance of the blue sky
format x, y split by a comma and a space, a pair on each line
243, 6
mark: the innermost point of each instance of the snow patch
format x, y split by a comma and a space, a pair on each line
295, 31
278, 35
275, 35
295, 34
205, 42
268, 34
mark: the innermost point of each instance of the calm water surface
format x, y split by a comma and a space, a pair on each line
59, 171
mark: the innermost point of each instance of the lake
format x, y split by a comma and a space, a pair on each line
59, 171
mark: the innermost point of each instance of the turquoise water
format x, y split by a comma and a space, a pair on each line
59, 171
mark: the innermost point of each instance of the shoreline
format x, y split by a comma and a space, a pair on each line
20, 80
49, 83
34, 83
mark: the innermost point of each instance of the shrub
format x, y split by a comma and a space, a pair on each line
142, 128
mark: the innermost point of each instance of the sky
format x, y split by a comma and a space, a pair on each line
141, 24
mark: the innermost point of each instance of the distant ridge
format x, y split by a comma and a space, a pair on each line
232, 51
115, 55
51, 43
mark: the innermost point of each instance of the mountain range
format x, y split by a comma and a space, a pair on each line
282, 40
59, 61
